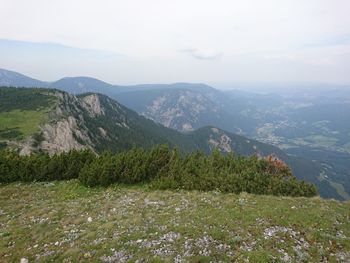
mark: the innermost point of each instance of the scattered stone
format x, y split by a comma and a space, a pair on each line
340, 235
205, 252
148, 202
163, 251
242, 201
343, 256
204, 241
117, 257
178, 259
99, 240
247, 246
116, 234
126, 200
223, 247
24, 260
272, 231
286, 257
170, 237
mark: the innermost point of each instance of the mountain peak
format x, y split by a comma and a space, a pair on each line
15, 79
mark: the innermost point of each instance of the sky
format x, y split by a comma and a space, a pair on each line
164, 41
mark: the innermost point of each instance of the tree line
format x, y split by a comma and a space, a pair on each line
160, 168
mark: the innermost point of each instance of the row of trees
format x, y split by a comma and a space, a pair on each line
161, 167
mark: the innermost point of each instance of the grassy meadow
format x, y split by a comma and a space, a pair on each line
67, 222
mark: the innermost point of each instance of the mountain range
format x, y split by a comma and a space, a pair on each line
205, 118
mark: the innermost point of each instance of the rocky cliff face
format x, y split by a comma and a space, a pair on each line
66, 129
93, 105
91, 121
180, 110
220, 140
186, 110
63, 136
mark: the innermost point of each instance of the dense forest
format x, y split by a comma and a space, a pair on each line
160, 168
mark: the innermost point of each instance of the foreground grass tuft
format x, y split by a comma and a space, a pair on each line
67, 222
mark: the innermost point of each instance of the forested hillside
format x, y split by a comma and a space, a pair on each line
58, 122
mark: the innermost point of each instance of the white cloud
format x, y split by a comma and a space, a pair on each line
205, 54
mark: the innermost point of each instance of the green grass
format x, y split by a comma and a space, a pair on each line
50, 222
21, 123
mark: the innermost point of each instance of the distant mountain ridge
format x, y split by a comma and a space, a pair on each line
78, 85
11, 78
83, 84
184, 96
277, 119
97, 122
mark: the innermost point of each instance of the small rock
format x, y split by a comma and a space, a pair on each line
119, 256
24, 260
89, 219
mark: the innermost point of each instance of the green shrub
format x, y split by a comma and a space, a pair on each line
162, 168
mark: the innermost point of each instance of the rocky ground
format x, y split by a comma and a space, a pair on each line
66, 222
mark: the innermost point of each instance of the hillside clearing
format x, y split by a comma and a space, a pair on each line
67, 222
18, 124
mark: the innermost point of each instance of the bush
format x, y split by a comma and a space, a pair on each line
162, 168
42, 167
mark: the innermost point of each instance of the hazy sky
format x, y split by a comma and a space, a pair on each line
132, 41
